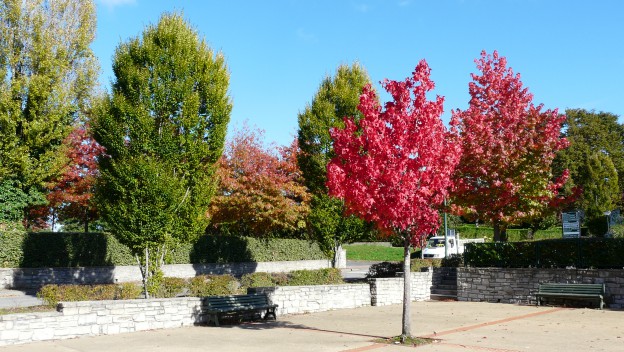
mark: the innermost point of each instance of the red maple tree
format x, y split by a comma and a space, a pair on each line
508, 145
394, 166
70, 195
260, 191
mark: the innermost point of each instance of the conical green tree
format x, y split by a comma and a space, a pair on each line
47, 75
336, 98
163, 128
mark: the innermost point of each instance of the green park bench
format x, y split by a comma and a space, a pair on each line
240, 305
591, 292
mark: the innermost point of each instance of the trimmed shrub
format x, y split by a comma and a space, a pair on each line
264, 279
603, 253
214, 285
172, 287
331, 276
66, 249
53, 294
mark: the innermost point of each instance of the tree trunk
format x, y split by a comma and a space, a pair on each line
407, 289
500, 232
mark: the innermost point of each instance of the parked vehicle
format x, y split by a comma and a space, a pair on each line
436, 246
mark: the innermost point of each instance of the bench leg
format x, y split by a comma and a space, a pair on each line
214, 318
270, 312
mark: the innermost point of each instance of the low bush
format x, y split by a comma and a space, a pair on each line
264, 279
331, 276
172, 287
214, 285
53, 294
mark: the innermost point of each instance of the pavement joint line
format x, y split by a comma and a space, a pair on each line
489, 323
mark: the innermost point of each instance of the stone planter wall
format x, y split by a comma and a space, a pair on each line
388, 291
91, 318
310, 299
519, 285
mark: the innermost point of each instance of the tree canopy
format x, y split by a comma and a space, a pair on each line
163, 128
393, 167
337, 97
47, 75
591, 133
260, 191
508, 146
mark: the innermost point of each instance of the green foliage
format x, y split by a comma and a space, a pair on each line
229, 249
330, 276
514, 235
590, 132
171, 287
600, 190
47, 74
264, 279
374, 253
384, 269
560, 253
214, 285
336, 98
62, 249
163, 128
14, 200
53, 294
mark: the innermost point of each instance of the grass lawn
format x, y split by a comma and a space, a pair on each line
374, 253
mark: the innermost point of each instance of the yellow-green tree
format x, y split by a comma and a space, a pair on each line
47, 76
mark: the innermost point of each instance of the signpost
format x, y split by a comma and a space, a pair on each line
571, 224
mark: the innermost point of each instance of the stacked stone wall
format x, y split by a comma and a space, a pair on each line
386, 291
519, 285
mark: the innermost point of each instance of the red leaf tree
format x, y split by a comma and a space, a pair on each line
70, 196
393, 168
508, 145
261, 191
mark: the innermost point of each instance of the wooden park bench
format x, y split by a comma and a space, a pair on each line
591, 292
218, 306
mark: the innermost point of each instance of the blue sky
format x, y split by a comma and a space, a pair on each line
570, 53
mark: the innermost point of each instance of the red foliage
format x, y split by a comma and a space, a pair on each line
508, 146
72, 192
394, 167
260, 191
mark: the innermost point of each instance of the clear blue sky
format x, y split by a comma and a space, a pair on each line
570, 53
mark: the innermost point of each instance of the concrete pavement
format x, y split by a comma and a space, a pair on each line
458, 326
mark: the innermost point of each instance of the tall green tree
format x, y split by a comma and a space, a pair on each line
163, 128
47, 74
337, 97
591, 132
600, 192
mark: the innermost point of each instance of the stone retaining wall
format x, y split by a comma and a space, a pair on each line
388, 291
91, 318
519, 285
29, 278
310, 299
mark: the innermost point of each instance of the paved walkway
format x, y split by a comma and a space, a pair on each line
458, 326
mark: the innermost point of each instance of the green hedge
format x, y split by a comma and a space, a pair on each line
601, 253
60, 249
514, 235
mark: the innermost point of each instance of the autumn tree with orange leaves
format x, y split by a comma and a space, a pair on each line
260, 191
